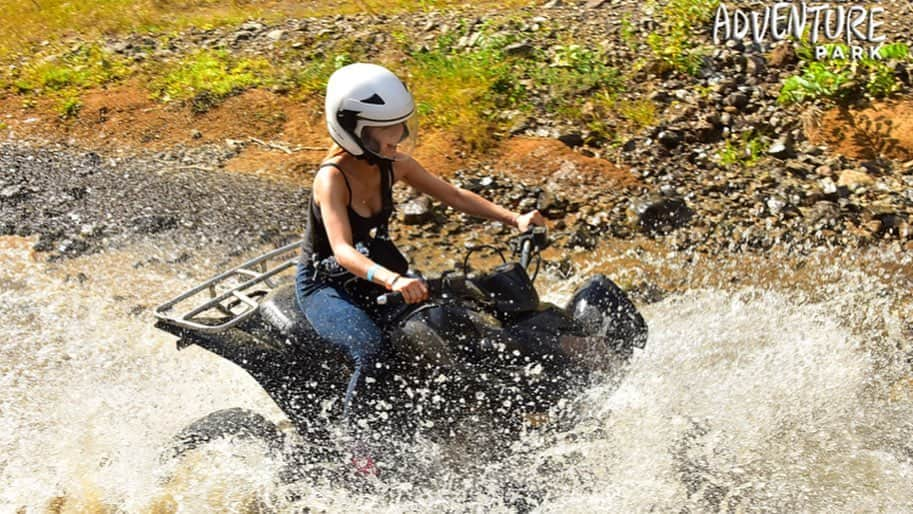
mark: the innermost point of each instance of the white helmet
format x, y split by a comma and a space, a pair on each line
366, 95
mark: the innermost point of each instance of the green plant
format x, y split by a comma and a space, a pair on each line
745, 151
846, 79
69, 107
674, 45
629, 33
818, 80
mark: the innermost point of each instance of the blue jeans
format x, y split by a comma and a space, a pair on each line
349, 323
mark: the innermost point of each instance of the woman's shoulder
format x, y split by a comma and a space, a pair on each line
329, 169
404, 167
330, 180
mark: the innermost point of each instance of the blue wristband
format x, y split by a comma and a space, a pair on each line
371, 272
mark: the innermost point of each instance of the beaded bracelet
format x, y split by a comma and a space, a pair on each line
373, 269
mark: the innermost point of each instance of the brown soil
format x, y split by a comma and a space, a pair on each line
125, 117
536, 157
883, 130
283, 139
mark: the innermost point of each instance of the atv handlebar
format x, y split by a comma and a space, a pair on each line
448, 284
528, 245
531, 243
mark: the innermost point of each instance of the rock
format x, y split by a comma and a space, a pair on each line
242, 35
798, 168
756, 65
196, 134
72, 246
828, 186
891, 223
736, 100
527, 204
707, 131
659, 96
89, 229
522, 125
573, 139
593, 4
275, 35
783, 56
93, 159
854, 180
824, 214
669, 138
781, 148
873, 226
521, 49
252, 26
583, 236
11, 191
661, 214
120, 47
824, 170
545, 200
154, 224
775, 205
417, 211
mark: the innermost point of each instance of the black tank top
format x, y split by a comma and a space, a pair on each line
316, 246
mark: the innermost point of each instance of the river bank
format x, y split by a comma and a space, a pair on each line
715, 163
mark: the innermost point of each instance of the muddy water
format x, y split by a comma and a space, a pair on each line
769, 383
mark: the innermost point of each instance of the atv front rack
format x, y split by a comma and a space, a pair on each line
229, 304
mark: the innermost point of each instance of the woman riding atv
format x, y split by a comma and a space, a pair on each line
348, 258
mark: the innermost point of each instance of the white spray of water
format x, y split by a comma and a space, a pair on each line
91, 395
750, 400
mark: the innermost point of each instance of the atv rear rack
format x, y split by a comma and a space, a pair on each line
254, 279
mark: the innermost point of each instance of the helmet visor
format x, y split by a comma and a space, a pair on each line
393, 142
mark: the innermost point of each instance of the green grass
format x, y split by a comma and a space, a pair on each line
26, 23
36, 21
466, 90
63, 77
641, 113
83, 67
207, 77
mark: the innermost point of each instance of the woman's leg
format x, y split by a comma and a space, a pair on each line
339, 320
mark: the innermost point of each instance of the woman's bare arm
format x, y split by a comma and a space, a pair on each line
462, 200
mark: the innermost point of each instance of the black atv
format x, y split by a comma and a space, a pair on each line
483, 349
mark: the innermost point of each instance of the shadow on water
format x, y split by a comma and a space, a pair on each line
771, 382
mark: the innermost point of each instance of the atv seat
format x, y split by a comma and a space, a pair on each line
280, 309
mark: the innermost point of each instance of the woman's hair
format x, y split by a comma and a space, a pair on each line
334, 151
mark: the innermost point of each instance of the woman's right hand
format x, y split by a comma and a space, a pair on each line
413, 290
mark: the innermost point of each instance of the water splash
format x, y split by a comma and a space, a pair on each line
781, 390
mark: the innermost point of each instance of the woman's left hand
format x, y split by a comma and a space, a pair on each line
524, 221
